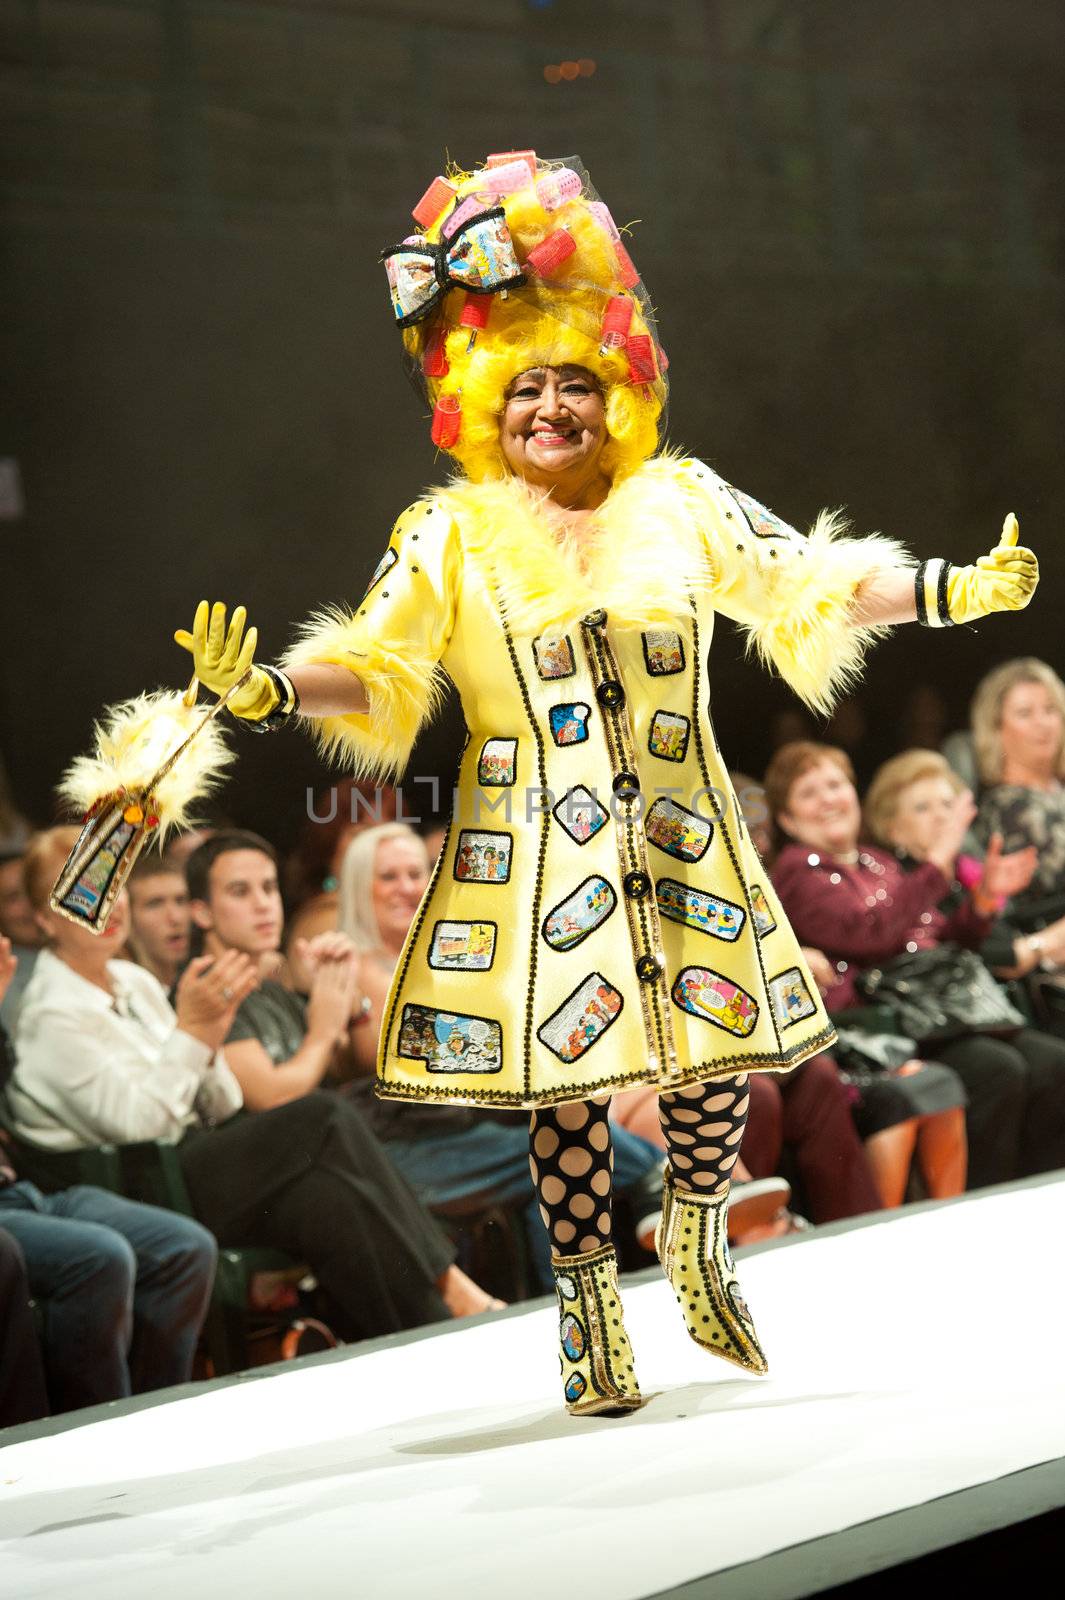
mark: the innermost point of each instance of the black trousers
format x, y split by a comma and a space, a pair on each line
1016, 1116
311, 1179
23, 1397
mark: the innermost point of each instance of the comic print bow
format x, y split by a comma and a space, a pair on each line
479, 257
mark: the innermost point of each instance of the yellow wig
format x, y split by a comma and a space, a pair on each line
553, 320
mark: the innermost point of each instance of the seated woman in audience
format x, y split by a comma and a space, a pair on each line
103, 1057
447, 1152
862, 908
1018, 722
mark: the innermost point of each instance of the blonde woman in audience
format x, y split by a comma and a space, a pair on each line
1018, 722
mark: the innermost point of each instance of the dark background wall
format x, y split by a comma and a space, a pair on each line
850, 219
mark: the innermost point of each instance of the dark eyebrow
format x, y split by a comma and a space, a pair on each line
567, 374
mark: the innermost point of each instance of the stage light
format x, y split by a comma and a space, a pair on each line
567, 71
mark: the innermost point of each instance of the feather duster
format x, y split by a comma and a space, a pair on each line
155, 756
135, 744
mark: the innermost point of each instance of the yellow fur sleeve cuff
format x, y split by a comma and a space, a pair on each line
794, 595
393, 642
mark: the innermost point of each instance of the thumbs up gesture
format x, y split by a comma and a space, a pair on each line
1003, 580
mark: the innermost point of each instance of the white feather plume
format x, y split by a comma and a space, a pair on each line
133, 740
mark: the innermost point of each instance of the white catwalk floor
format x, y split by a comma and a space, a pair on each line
911, 1359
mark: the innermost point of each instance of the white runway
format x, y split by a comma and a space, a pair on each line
910, 1359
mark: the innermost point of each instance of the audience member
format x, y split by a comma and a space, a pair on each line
1018, 720
123, 1287
102, 1056
910, 802
159, 920
862, 908
19, 925
282, 1045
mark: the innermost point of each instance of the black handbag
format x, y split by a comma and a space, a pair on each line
940, 994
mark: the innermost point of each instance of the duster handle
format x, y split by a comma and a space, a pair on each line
218, 706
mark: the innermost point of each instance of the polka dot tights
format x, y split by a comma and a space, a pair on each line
704, 1125
571, 1158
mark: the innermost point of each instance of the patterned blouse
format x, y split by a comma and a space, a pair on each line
1023, 817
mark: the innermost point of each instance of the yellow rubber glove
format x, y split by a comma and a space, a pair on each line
222, 656
1005, 580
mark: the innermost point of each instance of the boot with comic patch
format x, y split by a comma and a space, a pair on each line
598, 1378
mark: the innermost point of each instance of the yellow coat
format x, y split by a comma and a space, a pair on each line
598, 917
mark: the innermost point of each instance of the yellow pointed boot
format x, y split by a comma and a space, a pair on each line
597, 1370
693, 1248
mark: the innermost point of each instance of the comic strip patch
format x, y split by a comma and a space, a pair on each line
668, 738
386, 563
462, 946
580, 814
449, 1041
663, 652
765, 524
574, 918
569, 722
790, 998
483, 857
497, 766
581, 1020
554, 658
678, 831
707, 994
707, 913
764, 920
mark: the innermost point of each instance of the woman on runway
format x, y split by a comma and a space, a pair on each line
598, 918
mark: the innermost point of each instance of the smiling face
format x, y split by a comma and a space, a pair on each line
1030, 727
553, 427
822, 810
400, 875
924, 810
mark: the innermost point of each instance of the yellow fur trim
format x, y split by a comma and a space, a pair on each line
636, 559
133, 740
405, 689
809, 636
544, 323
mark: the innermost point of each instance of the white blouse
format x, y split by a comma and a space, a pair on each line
92, 1069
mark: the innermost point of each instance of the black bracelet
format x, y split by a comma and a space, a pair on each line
930, 593
287, 706
918, 594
